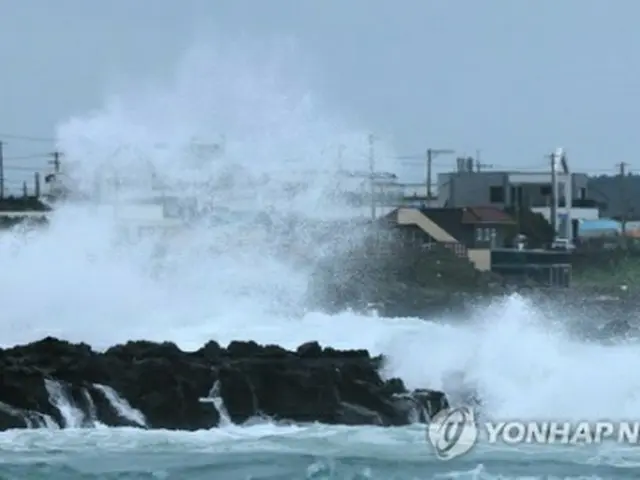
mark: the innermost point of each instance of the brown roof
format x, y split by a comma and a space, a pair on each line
485, 215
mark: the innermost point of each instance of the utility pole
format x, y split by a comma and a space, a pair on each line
623, 191
554, 195
431, 154
372, 170
56, 161
1, 170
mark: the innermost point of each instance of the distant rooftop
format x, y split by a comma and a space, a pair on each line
21, 204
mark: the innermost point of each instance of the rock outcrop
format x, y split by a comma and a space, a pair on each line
156, 385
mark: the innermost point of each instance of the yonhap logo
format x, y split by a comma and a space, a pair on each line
452, 432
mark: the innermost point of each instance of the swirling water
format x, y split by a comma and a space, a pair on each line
305, 452
225, 284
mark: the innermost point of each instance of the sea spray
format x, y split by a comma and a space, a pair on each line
225, 284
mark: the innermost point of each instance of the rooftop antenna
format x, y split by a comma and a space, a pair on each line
479, 164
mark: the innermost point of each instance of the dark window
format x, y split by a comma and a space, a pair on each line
496, 194
545, 190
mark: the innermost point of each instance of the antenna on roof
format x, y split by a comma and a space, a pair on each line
479, 164
561, 160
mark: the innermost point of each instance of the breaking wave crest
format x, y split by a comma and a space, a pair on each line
236, 129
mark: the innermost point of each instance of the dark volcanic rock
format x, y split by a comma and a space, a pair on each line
157, 385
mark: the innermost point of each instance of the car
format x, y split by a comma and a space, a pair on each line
562, 244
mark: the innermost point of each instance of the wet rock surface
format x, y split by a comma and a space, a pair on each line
53, 383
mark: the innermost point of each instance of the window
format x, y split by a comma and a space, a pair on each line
485, 234
496, 194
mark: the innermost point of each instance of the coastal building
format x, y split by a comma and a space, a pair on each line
141, 197
519, 190
481, 236
543, 267
15, 210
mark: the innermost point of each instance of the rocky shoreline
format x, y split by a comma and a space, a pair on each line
57, 384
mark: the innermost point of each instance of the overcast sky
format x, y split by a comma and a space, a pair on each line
511, 78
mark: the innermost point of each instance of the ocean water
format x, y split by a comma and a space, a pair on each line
266, 452
84, 282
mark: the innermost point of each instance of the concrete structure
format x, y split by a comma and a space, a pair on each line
544, 267
470, 233
507, 189
136, 208
532, 190
463, 231
339, 194
17, 208
577, 213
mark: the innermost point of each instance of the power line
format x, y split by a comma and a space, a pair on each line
428, 158
26, 138
16, 168
416, 159
33, 156
479, 165
432, 152
531, 166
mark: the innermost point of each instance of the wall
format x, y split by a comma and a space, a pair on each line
578, 180
468, 189
481, 258
472, 189
415, 189
576, 213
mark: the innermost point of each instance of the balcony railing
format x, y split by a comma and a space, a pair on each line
576, 203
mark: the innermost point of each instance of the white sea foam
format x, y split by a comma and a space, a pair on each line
76, 282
